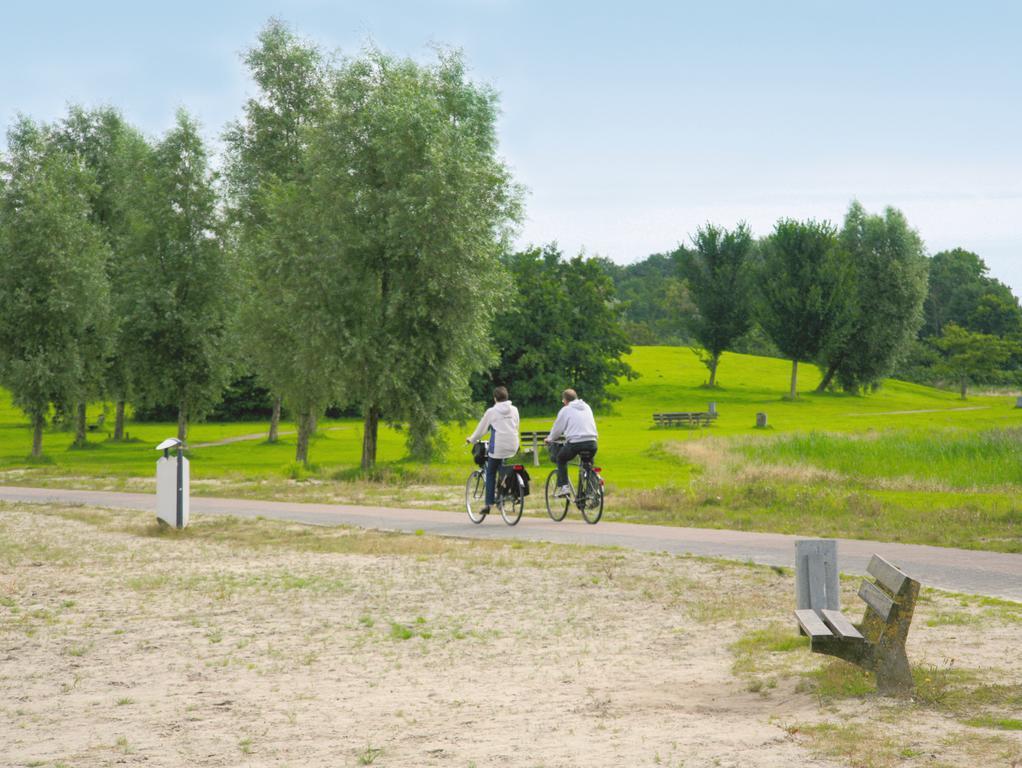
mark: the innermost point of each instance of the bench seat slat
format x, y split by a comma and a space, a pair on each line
886, 574
842, 627
811, 624
877, 600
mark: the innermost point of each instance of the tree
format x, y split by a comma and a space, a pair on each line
654, 298
115, 153
967, 356
960, 291
54, 298
997, 312
181, 281
303, 292
717, 271
803, 282
413, 209
889, 287
267, 148
564, 330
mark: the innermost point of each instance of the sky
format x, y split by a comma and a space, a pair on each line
629, 124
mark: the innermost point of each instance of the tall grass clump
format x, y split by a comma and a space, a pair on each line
952, 457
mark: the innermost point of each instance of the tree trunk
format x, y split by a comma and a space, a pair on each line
119, 421
79, 426
714, 362
182, 422
306, 426
370, 429
38, 420
827, 378
274, 421
794, 379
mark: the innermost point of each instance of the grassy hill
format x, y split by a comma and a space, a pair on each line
890, 465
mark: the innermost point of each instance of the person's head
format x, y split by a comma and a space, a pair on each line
568, 396
500, 394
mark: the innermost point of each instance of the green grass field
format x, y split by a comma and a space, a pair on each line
906, 463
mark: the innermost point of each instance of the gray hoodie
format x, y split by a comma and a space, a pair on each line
575, 422
503, 419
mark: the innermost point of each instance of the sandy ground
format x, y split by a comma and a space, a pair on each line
118, 647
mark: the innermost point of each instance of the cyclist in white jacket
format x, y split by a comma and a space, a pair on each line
576, 424
502, 422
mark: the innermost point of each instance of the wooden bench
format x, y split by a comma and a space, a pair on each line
98, 425
536, 438
684, 418
877, 643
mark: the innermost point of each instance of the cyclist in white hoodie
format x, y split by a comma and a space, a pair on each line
502, 422
576, 424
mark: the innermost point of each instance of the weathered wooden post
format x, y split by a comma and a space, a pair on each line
816, 581
761, 421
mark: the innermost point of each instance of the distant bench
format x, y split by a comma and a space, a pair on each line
877, 644
684, 418
536, 438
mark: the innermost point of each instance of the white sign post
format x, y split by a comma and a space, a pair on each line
172, 485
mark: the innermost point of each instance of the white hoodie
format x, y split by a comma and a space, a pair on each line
575, 421
503, 419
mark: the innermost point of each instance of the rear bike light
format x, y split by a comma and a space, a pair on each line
517, 467
597, 469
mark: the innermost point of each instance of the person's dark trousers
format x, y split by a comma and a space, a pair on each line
567, 453
492, 467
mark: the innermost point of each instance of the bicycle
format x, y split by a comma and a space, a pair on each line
509, 497
587, 495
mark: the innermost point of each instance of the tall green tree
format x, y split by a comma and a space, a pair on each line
967, 356
54, 297
803, 280
890, 281
304, 291
414, 207
655, 300
564, 330
718, 270
116, 154
178, 319
266, 149
960, 291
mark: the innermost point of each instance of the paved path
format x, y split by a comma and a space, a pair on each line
259, 436
985, 573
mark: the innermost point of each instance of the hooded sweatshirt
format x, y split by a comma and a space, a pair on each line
575, 422
502, 418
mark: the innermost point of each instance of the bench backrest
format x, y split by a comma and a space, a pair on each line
816, 581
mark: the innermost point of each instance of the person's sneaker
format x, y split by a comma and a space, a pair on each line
484, 511
564, 490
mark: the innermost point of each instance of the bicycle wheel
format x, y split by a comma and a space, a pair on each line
475, 496
591, 505
511, 506
556, 507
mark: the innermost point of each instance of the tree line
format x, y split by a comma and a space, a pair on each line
348, 252
862, 302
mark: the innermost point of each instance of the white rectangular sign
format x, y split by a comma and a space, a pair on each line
166, 490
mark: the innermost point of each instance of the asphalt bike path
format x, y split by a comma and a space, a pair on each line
996, 574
